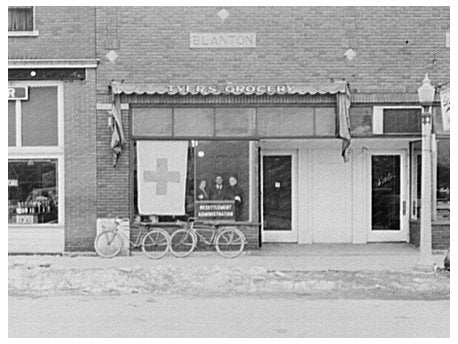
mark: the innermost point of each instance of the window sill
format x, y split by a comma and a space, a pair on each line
33, 33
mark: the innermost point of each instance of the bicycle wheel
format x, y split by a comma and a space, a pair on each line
182, 243
230, 242
156, 243
108, 243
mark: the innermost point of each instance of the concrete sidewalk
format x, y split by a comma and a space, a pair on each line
279, 257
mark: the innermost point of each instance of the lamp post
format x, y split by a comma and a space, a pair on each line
426, 97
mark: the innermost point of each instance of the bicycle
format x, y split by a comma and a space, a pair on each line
155, 243
228, 240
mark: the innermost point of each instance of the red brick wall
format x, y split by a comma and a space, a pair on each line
440, 233
80, 163
64, 33
305, 44
113, 183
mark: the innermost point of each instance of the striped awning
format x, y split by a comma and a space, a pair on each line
230, 89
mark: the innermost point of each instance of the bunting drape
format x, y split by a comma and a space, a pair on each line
117, 133
343, 122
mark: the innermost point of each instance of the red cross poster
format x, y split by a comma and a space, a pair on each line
161, 177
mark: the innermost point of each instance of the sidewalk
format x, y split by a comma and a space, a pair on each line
272, 257
318, 271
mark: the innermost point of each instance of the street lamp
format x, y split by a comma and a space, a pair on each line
426, 97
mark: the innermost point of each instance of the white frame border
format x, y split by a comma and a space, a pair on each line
401, 235
377, 116
33, 33
45, 152
281, 236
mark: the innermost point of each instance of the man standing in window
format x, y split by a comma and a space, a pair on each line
218, 191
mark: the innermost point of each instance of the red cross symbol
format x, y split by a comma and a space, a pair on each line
161, 176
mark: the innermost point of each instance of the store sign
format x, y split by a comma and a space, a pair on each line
231, 89
215, 209
223, 40
18, 93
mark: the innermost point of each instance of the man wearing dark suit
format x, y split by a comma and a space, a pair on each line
218, 191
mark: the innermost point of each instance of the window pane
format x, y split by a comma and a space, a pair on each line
39, 117
386, 191
325, 121
281, 121
20, 19
193, 121
399, 121
439, 125
206, 161
152, 121
443, 179
224, 163
277, 192
361, 120
12, 123
234, 121
32, 191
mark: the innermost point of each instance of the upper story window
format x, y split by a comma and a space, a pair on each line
21, 21
34, 116
394, 120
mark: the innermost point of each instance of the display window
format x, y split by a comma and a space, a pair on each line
32, 191
218, 181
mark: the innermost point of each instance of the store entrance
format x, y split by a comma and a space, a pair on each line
389, 197
278, 196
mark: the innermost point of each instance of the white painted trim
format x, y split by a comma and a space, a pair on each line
33, 33
377, 116
282, 236
377, 120
413, 190
53, 63
107, 106
251, 149
18, 123
403, 233
27, 240
305, 184
46, 152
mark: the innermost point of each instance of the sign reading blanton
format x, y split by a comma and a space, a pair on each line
161, 177
223, 40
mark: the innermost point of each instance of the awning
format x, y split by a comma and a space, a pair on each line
339, 88
233, 89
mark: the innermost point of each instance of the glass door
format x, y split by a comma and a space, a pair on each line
278, 197
389, 212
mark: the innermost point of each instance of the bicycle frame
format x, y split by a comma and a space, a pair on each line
132, 244
207, 227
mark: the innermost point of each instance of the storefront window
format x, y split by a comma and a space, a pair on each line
443, 179
222, 174
217, 181
32, 191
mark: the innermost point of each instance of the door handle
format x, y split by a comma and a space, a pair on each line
404, 208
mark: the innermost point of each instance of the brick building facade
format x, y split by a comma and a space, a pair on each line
143, 55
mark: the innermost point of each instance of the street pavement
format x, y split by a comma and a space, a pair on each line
279, 291
140, 316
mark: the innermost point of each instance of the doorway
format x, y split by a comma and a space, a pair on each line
389, 213
278, 196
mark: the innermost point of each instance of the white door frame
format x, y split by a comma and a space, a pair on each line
404, 204
281, 236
